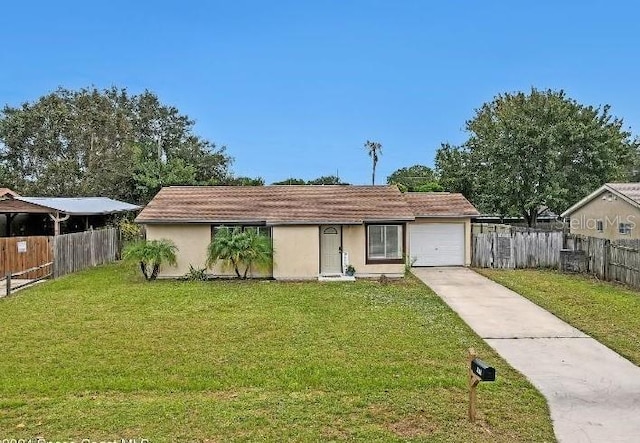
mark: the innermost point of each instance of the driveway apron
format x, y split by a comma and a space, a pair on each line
593, 393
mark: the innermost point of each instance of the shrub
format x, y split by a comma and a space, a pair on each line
237, 249
150, 255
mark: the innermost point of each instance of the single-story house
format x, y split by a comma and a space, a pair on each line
612, 211
316, 230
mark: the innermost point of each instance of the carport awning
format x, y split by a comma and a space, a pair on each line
65, 205
61, 208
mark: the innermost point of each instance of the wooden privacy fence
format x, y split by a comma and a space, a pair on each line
517, 250
19, 254
617, 261
74, 252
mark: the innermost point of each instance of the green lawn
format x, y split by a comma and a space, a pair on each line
103, 355
608, 312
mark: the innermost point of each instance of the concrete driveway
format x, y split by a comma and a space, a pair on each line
593, 393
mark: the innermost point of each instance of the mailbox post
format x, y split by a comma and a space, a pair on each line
478, 371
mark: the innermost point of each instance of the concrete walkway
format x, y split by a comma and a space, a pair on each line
593, 393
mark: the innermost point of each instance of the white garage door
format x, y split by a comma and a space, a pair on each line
437, 244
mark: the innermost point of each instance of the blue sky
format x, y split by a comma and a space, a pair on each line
295, 88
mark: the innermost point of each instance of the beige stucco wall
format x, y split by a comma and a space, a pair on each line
611, 212
467, 233
191, 240
354, 242
296, 252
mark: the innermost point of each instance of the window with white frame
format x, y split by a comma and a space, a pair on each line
599, 226
384, 242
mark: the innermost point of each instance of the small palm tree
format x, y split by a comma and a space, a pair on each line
151, 255
374, 149
237, 249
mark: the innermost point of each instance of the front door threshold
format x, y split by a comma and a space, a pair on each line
336, 277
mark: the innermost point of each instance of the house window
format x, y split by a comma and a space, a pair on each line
384, 243
261, 230
599, 226
624, 228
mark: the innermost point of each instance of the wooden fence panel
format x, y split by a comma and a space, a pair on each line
75, 252
607, 260
624, 264
482, 251
517, 250
596, 251
21, 253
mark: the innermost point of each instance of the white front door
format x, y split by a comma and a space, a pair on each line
330, 250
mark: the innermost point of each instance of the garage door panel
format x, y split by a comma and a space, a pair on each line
437, 244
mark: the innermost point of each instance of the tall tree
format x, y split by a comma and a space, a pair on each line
528, 152
103, 142
374, 149
454, 170
416, 178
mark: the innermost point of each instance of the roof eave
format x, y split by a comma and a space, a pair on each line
446, 215
269, 222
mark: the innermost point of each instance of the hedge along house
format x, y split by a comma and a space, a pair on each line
315, 230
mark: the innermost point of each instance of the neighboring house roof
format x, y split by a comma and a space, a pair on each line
6, 192
277, 204
629, 192
67, 205
440, 204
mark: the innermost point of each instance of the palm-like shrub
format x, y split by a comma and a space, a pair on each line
150, 255
240, 249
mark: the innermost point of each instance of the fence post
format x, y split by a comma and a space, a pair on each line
8, 288
606, 253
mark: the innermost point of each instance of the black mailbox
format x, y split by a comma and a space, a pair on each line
483, 370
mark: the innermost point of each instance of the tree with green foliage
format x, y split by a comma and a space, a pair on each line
242, 181
453, 166
416, 178
529, 152
374, 149
104, 142
291, 181
238, 248
151, 254
327, 180
324, 180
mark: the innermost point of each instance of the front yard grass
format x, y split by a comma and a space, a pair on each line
608, 312
102, 355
